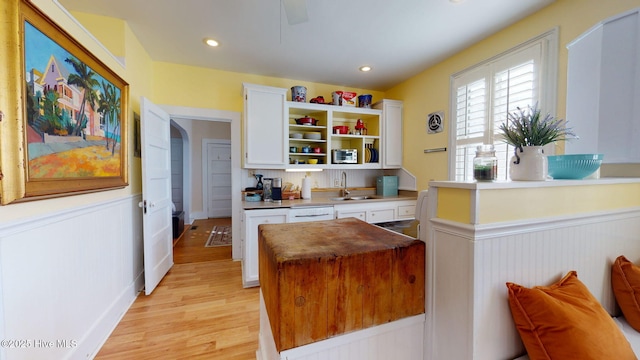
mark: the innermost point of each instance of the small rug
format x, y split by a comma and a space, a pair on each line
220, 236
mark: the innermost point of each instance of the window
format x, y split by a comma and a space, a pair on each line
484, 94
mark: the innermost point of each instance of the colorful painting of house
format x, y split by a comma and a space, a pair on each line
69, 108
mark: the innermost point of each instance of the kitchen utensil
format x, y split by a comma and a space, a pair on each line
306, 121
266, 192
312, 161
313, 135
306, 149
317, 150
259, 184
342, 129
317, 100
360, 125
293, 149
276, 189
364, 101
295, 135
299, 94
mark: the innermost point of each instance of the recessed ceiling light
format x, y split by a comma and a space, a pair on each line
211, 42
365, 68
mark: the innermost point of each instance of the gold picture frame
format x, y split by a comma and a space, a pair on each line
68, 134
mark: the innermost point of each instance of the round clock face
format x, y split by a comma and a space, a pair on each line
434, 122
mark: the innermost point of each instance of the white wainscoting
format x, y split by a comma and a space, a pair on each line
66, 279
468, 266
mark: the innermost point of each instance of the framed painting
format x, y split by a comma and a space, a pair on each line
73, 113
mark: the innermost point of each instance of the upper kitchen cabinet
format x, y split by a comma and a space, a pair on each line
603, 86
283, 134
392, 133
264, 127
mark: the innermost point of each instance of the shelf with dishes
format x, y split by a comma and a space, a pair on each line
367, 150
307, 152
315, 130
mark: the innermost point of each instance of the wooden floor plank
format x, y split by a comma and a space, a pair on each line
198, 311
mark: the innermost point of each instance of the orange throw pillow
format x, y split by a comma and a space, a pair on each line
565, 321
625, 281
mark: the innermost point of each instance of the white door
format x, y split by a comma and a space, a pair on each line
218, 176
156, 193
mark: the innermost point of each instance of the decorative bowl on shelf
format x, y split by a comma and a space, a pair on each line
313, 135
573, 166
295, 135
312, 161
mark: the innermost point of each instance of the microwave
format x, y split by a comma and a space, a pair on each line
344, 156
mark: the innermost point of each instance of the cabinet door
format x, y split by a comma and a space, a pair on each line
406, 211
391, 133
358, 214
380, 215
264, 127
253, 218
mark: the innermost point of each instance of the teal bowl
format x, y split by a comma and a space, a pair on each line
573, 166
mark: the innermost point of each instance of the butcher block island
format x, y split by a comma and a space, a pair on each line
340, 286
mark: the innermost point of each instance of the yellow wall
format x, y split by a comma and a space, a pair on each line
455, 205
429, 91
191, 86
542, 202
528, 201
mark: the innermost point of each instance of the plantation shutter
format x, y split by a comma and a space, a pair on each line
483, 97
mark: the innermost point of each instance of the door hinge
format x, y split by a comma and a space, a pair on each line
1, 115
1, 175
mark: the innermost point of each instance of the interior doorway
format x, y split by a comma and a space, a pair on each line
184, 117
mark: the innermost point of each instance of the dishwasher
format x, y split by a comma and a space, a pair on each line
310, 213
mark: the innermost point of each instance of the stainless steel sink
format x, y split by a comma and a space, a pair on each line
364, 197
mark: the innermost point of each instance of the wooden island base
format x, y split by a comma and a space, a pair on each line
331, 284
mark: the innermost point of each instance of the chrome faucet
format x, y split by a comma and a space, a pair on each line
344, 191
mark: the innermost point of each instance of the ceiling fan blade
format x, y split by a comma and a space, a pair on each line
296, 11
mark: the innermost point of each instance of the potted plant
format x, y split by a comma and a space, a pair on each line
528, 132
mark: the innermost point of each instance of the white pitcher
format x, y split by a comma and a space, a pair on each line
528, 163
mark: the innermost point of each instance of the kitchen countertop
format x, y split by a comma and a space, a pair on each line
325, 200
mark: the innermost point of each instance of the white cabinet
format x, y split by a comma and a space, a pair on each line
378, 211
264, 127
603, 85
406, 211
269, 128
251, 219
391, 133
346, 211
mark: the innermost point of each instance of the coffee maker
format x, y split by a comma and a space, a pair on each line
276, 189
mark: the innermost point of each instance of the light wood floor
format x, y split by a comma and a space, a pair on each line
198, 311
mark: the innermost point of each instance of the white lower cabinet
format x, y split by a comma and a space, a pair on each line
346, 211
253, 218
377, 212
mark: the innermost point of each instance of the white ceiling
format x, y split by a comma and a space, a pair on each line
398, 39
